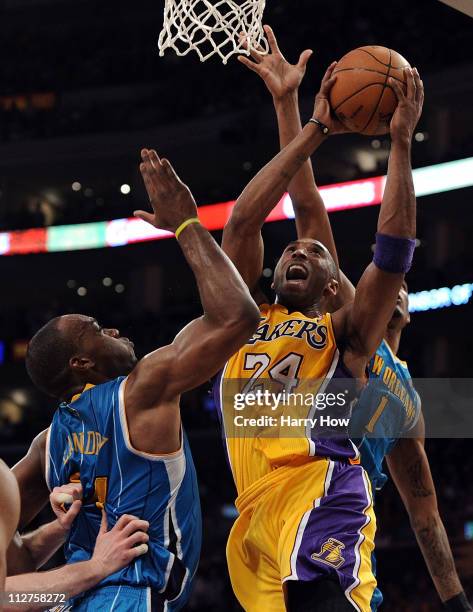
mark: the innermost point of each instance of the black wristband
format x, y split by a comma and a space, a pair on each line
321, 125
459, 603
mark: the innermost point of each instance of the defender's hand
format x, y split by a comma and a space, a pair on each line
280, 77
409, 108
66, 494
118, 547
322, 109
171, 200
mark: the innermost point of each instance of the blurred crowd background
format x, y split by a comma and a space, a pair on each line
82, 88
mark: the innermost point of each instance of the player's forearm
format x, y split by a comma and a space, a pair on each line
302, 188
310, 213
433, 542
262, 194
223, 293
42, 543
70, 579
397, 216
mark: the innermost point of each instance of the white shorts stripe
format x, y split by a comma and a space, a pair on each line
361, 538
303, 523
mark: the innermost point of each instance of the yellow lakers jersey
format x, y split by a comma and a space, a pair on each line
276, 397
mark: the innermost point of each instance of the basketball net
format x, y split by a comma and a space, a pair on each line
213, 27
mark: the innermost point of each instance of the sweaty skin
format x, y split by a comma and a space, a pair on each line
359, 325
156, 382
408, 462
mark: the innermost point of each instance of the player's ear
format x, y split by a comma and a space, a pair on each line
79, 363
331, 288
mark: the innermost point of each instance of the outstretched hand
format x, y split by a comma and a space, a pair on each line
171, 200
409, 107
322, 109
117, 548
280, 77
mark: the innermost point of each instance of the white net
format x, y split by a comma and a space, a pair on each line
213, 27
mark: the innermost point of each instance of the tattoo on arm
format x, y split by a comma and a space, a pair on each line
435, 547
416, 481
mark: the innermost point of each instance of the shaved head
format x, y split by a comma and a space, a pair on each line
49, 353
306, 275
73, 350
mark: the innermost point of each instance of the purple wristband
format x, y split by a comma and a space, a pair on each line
393, 254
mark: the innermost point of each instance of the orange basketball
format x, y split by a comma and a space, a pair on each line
362, 98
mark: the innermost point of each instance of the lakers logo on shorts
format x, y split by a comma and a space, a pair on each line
330, 553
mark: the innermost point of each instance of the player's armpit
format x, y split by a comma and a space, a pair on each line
195, 355
29, 473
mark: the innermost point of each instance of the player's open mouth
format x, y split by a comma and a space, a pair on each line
296, 272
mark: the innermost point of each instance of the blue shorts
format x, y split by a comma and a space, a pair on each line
123, 598
377, 598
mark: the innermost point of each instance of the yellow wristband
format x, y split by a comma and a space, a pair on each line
184, 224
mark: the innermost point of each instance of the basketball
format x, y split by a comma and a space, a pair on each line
361, 97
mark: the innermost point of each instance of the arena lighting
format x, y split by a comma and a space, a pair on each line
443, 297
342, 196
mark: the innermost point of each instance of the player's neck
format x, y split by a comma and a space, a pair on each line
310, 310
93, 378
393, 338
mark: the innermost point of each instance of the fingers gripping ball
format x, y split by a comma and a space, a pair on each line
362, 97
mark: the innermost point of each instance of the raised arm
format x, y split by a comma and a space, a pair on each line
242, 239
410, 470
202, 347
361, 326
283, 80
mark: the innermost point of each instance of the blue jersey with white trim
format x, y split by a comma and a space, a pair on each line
88, 440
388, 407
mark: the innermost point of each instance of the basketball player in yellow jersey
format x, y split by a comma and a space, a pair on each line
407, 460
305, 530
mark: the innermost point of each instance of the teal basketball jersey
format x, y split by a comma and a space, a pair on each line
88, 440
387, 408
